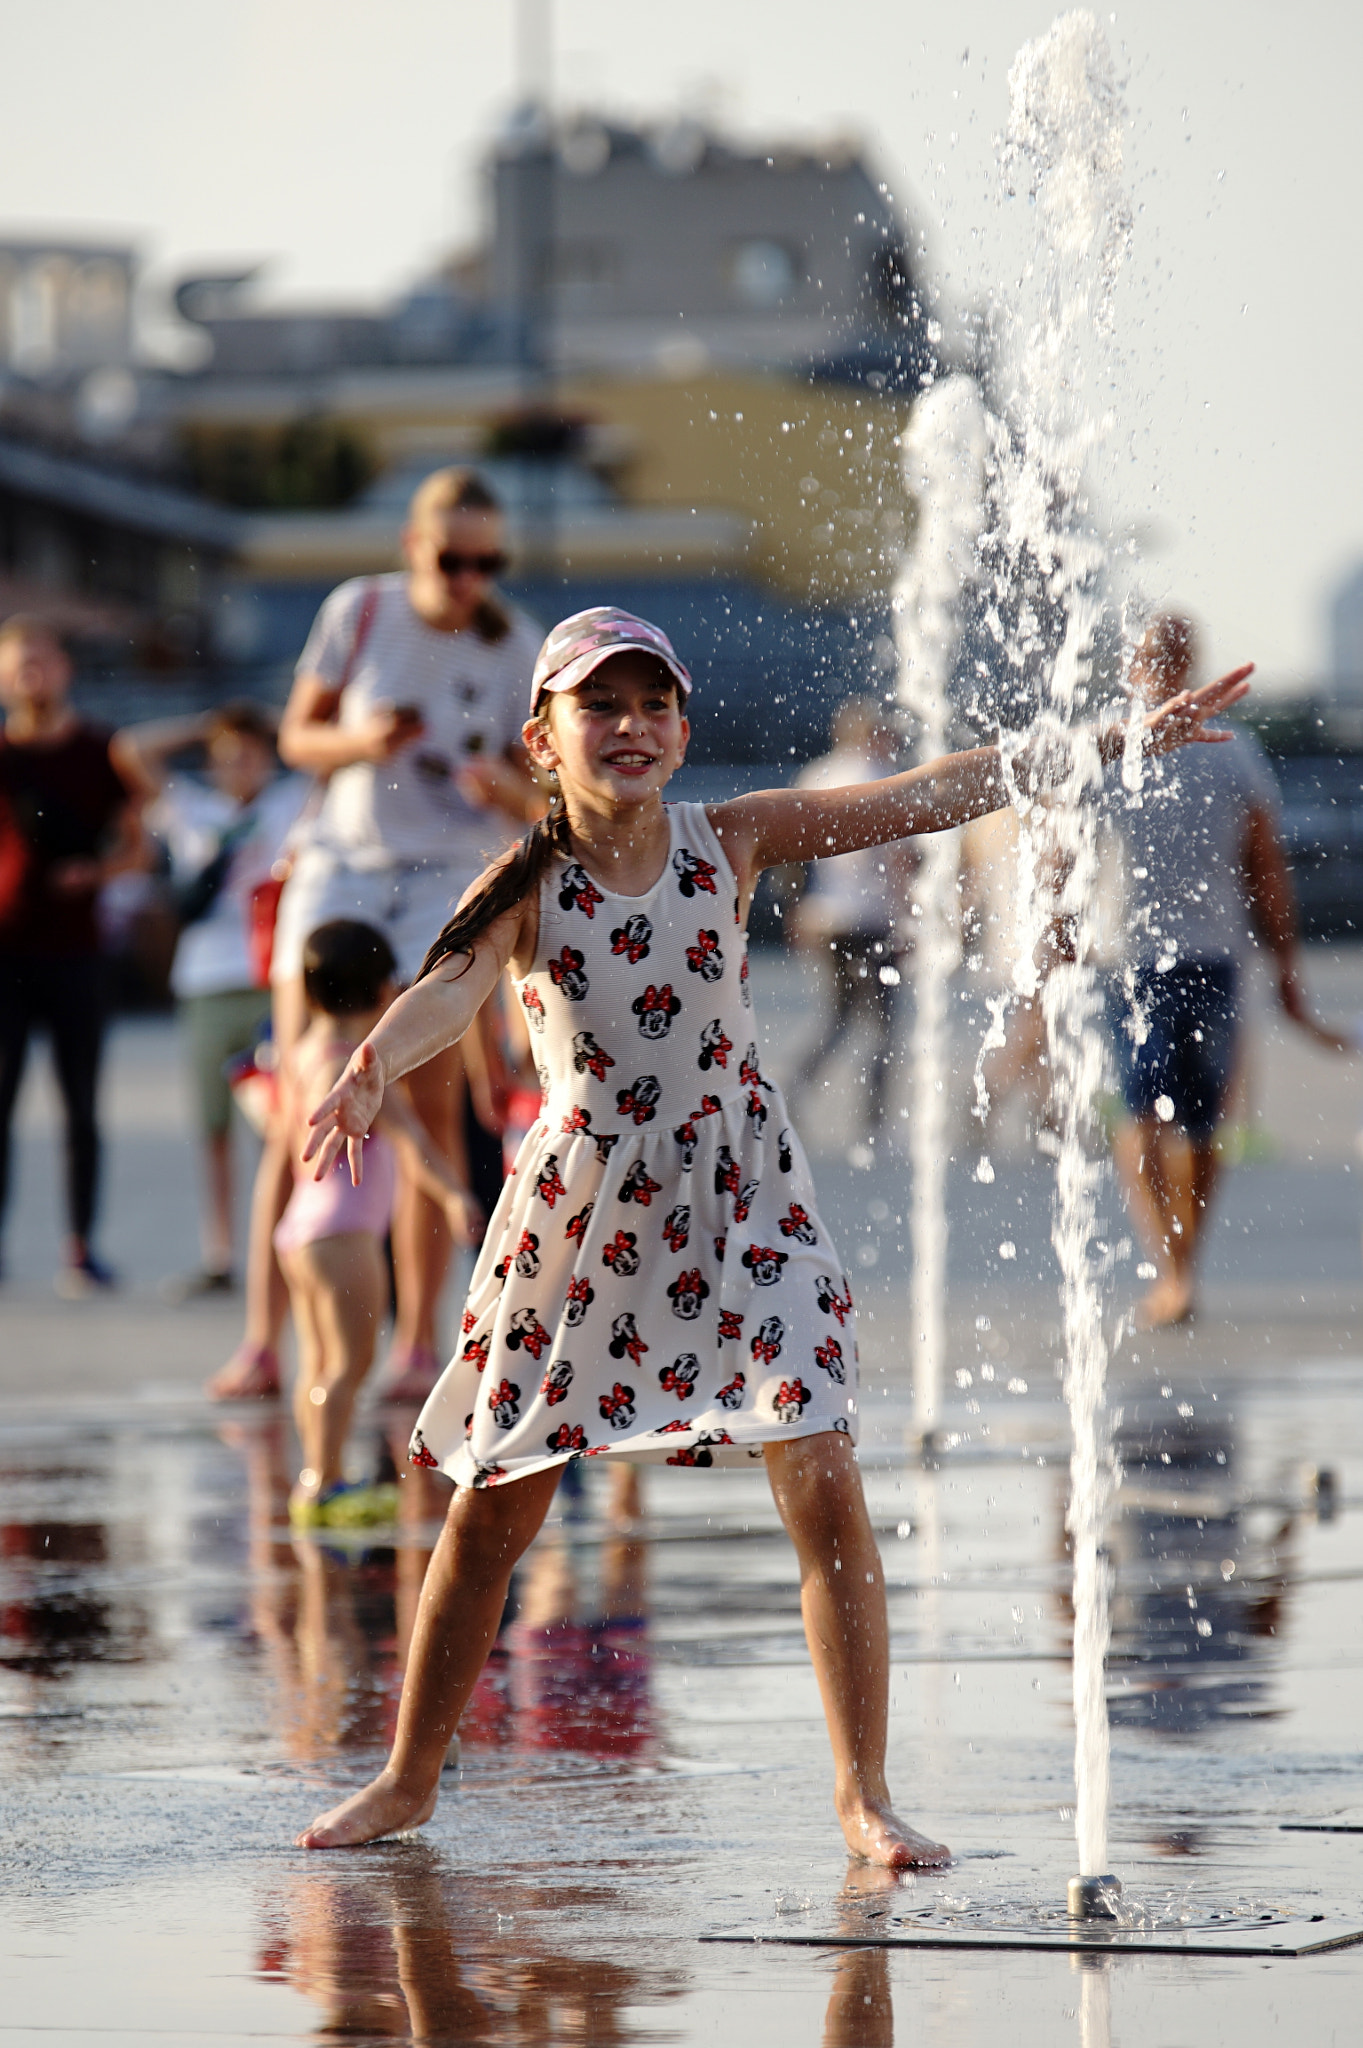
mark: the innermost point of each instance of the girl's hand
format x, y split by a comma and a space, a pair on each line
464, 1216
1182, 719
342, 1118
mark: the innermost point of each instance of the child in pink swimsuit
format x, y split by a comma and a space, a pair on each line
330, 1237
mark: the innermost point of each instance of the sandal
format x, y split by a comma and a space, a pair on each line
349, 1504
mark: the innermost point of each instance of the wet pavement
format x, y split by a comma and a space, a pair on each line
183, 1682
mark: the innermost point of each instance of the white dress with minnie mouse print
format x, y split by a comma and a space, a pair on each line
656, 1281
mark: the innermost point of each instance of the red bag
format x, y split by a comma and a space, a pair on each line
254, 1082
264, 911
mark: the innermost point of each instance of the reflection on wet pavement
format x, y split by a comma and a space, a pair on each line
1202, 1574
183, 1680
405, 1952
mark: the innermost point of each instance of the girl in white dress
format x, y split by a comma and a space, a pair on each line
656, 1282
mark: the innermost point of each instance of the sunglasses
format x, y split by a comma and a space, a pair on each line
451, 563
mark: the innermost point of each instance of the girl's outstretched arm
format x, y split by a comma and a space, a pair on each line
434, 1013
778, 825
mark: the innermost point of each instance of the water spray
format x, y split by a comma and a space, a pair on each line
1063, 150
943, 460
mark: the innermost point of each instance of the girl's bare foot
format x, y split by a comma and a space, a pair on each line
382, 1808
875, 1832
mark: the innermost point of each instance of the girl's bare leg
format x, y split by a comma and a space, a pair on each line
462, 1602
817, 1490
252, 1372
310, 1363
344, 1283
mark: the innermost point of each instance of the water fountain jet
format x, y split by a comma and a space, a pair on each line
1093, 1898
1064, 149
943, 453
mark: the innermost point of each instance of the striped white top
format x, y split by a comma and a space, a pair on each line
473, 696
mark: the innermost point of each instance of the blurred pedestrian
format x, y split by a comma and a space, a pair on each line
330, 1237
854, 912
68, 823
407, 705
224, 835
1207, 884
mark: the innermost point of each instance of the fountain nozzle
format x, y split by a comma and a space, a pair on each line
1094, 1898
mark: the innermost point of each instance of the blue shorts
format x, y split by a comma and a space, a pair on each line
1192, 1020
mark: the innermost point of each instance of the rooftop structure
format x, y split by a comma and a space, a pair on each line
617, 248
638, 247
65, 307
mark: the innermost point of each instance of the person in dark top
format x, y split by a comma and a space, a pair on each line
68, 823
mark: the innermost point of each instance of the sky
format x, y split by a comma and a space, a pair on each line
341, 140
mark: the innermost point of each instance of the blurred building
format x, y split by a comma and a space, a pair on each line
614, 248
641, 249
684, 365
1346, 636
65, 308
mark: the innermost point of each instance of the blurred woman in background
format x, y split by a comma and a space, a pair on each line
407, 706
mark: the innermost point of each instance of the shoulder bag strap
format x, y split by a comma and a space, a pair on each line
369, 605
364, 621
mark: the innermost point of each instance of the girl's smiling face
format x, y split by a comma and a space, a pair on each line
619, 736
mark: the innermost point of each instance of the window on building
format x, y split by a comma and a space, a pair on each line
583, 271
763, 274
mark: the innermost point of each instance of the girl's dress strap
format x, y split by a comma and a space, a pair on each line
692, 828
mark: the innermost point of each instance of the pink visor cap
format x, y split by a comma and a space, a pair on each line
580, 644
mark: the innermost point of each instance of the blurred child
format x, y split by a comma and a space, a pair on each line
224, 833
330, 1237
